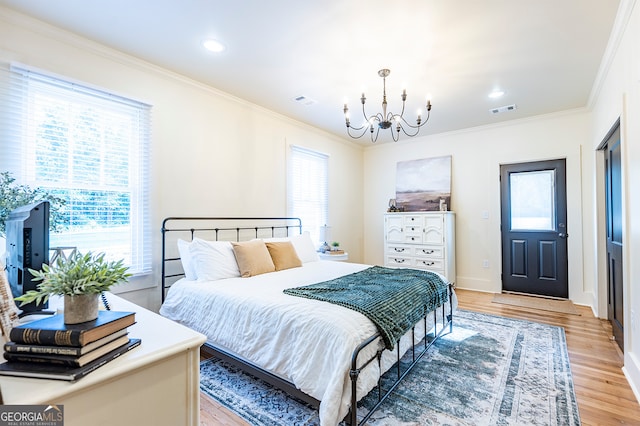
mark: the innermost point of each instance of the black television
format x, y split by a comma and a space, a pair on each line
27, 234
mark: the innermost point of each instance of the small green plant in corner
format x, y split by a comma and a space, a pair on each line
76, 275
335, 245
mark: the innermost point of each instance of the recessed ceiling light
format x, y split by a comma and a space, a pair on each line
213, 45
496, 94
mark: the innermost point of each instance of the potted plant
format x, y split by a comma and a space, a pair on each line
80, 278
335, 246
13, 196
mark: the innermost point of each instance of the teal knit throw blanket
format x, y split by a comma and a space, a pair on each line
393, 299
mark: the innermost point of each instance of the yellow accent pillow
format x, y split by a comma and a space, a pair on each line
284, 255
253, 258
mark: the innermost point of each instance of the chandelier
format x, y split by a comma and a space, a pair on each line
384, 120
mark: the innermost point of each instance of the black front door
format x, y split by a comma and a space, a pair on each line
613, 185
534, 228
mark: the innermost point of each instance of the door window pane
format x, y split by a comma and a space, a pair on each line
533, 200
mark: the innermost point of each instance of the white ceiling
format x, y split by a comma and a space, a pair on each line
543, 54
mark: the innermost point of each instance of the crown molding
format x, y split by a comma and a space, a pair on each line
615, 39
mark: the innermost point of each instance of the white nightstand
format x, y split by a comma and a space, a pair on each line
337, 257
156, 383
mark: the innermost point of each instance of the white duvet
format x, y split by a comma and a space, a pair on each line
307, 342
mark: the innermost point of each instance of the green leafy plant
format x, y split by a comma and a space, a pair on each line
13, 196
335, 244
75, 275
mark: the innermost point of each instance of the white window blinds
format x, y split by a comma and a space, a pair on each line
308, 188
87, 147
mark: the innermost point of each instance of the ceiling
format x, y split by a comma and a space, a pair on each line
543, 54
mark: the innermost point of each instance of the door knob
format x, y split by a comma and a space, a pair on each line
563, 235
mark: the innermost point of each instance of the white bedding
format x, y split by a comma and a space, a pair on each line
307, 342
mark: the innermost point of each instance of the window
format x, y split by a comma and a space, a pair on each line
308, 194
88, 147
533, 206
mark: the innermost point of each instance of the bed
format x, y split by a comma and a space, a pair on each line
322, 353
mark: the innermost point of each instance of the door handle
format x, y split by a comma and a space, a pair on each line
563, 235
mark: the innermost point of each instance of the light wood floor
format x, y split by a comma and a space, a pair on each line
603, 393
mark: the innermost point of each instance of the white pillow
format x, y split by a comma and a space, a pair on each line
305, 249
213, 260
187, 260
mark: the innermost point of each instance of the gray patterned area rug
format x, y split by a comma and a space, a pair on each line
490, 371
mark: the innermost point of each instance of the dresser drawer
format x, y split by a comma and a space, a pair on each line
398, 261
398, 250
431, 264
413, 229
413, 220
413, 239
430, 252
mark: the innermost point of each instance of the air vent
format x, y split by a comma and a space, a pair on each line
305, 100
502, 109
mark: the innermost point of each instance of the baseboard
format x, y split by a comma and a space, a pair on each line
476, 284
631, 371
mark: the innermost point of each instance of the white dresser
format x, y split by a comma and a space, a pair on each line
423, 240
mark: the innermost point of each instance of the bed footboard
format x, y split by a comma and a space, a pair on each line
429, 340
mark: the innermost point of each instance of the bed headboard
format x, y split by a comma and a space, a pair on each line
216, 229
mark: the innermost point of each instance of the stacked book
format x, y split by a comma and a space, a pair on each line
335, 252
50, 349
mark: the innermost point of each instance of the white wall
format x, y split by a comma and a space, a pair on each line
619, 97
475, 189
212, 154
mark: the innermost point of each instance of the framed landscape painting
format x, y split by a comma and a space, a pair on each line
424, 185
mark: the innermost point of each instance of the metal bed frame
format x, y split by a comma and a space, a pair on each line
268, 227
